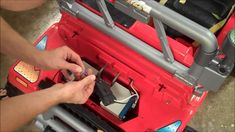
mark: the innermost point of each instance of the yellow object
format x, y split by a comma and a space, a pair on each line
100, 130
163, 2
217, 26
182, 1
21, 82
220, 24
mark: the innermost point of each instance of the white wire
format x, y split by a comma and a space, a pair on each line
126, 99
134, 90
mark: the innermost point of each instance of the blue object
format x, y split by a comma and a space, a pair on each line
41, 45
170, 128
127, 107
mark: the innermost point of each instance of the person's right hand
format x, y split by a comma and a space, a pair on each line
76, 92
60, 58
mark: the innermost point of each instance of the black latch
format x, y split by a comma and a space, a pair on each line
103, 89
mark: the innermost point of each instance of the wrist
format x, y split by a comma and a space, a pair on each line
57, 93
40, 59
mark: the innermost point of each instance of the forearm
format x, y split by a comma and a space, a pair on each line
20, 5
14, 45
17, 111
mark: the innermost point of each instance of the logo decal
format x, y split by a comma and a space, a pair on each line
170, 128
41, 45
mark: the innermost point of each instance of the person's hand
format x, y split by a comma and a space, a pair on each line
76, 92
61, 58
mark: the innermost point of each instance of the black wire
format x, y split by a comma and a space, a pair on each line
56, 75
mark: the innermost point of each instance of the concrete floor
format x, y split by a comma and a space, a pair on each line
215, 115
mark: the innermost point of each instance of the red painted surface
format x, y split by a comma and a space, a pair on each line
155, 108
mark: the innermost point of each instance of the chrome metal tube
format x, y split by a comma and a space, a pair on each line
70, 120
55, 125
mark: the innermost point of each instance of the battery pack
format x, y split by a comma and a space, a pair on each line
119, 109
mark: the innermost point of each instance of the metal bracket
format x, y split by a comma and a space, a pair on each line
164, 43
123, 6
106, 16
98, 75
69, 6
115, 79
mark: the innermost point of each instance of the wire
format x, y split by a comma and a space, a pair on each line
56, 75
137, 95
126, 99
134, 90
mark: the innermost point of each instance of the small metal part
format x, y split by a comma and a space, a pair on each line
115, 78
198, 91
101, 70
106, 16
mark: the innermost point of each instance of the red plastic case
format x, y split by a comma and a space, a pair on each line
164, 100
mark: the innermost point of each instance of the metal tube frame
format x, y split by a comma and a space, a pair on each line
47, 119
70, 119
163, 39
41, 123
161, 14
127, 39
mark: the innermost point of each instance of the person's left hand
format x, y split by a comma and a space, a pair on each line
61, 58
76, 92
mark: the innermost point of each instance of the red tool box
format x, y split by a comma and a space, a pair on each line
131, 45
